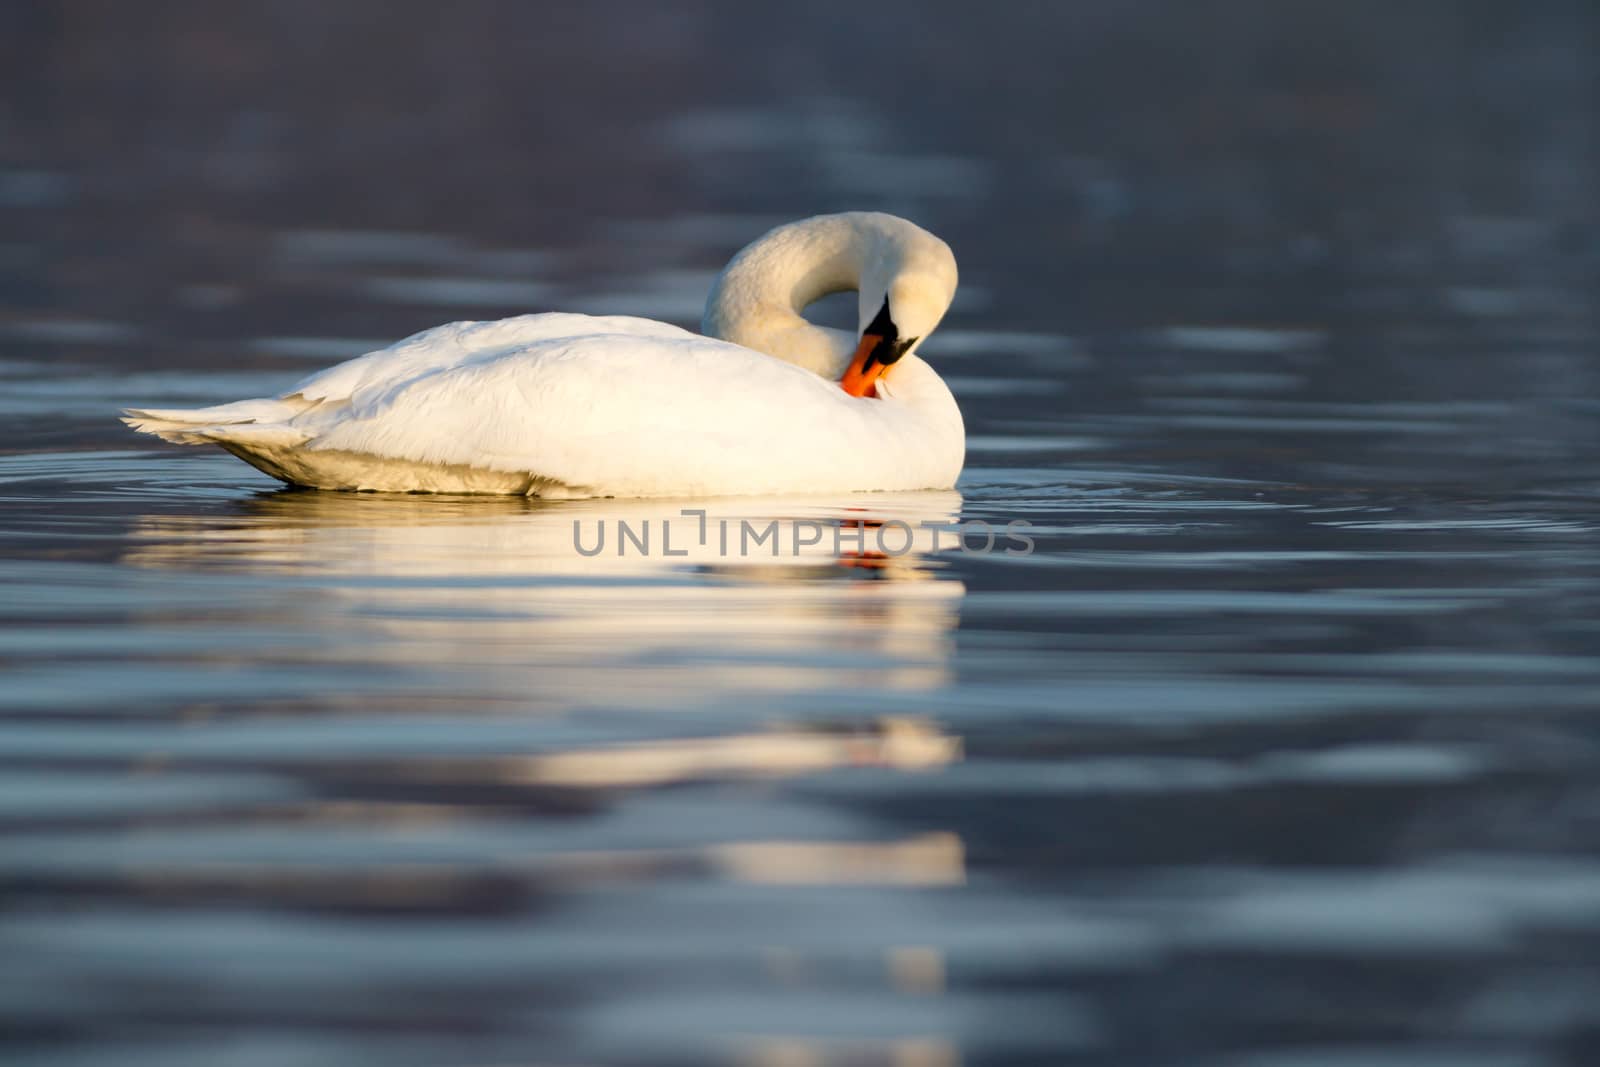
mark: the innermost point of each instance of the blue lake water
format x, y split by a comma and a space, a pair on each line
1280, 746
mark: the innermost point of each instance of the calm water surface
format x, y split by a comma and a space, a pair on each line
1281, 747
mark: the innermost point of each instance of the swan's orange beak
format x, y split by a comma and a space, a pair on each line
865, 368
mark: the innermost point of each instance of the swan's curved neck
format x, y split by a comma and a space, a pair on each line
758, 298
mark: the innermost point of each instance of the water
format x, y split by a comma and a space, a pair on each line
1279, 747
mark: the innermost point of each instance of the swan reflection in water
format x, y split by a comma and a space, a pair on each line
841, 591
467, 672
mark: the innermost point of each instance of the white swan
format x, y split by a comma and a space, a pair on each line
565, 405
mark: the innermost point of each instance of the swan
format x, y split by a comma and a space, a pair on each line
565, 405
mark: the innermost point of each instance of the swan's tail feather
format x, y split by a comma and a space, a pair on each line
179, 433
244, 434
196, 426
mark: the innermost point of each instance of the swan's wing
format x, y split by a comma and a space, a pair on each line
328, 393
622, 412
457, 344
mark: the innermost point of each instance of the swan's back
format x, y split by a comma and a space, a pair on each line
460, 343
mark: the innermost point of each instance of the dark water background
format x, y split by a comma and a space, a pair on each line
1283, 747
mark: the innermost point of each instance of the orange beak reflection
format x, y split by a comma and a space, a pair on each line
862, 376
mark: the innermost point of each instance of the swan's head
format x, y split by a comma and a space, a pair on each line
899, 309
